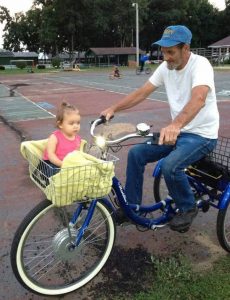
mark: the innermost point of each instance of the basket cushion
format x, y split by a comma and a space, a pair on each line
81, 175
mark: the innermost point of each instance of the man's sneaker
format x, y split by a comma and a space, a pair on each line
182, 221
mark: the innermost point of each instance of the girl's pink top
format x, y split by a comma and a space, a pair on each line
64, 146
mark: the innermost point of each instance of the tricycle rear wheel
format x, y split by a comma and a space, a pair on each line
223, 227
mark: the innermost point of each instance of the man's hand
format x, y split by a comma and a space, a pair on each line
108, 113
169, 134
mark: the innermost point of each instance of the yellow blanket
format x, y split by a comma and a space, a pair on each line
81, 175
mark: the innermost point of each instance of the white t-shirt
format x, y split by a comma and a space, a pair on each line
179, 84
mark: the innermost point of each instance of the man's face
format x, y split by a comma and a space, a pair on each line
176, 57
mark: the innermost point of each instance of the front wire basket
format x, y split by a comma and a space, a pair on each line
87, 178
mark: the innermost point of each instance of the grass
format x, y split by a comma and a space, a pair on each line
174, 278
224, 68
52, 70
48, 70
91, 69
24, 71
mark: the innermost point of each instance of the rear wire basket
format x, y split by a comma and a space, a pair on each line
63, 186
220, 154
214, 169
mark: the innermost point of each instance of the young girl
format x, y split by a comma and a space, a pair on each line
65, 139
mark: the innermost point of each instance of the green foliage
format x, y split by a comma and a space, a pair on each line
175, 279
52, 26
21, 64
56, 61
41, 66
15, 71
31, 23
174, 269
2, 68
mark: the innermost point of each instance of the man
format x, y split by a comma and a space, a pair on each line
193, 131
143, 60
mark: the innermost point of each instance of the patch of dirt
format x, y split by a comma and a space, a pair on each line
215, 252
126, 273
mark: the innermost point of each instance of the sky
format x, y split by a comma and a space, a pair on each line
15, 6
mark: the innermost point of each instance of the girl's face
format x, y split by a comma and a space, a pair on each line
70, 125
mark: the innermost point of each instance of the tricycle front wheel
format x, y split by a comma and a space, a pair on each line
42, 258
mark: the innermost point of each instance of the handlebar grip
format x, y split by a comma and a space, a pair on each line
102, 120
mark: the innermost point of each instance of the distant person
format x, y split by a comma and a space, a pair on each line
143, 60
77, 67
116, 73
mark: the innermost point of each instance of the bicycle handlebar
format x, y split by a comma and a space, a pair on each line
140, 133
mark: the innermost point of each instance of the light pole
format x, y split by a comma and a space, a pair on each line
137, 32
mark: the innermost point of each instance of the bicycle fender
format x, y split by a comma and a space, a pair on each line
225, 199
157, 169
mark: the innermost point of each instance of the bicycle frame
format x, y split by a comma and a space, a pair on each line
130, 210
202, 190
134, 212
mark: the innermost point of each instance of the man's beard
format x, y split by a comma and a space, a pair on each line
172, 66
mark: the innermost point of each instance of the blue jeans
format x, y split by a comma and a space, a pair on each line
189, 148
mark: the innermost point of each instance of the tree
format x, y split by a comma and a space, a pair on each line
55, 25
199, 15
48, 31
226, 18
161, 14
20, 30
202, 22
5, 18
13, 33
30, 24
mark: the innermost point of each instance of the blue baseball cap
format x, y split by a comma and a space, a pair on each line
174, 35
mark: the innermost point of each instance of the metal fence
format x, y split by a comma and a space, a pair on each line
213, 55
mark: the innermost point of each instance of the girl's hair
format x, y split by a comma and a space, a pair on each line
64, 107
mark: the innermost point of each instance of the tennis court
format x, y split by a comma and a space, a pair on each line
29, 114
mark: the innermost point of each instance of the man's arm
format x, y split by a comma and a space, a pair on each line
169, 134
130, 100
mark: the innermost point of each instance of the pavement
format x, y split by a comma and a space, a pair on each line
29, 114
